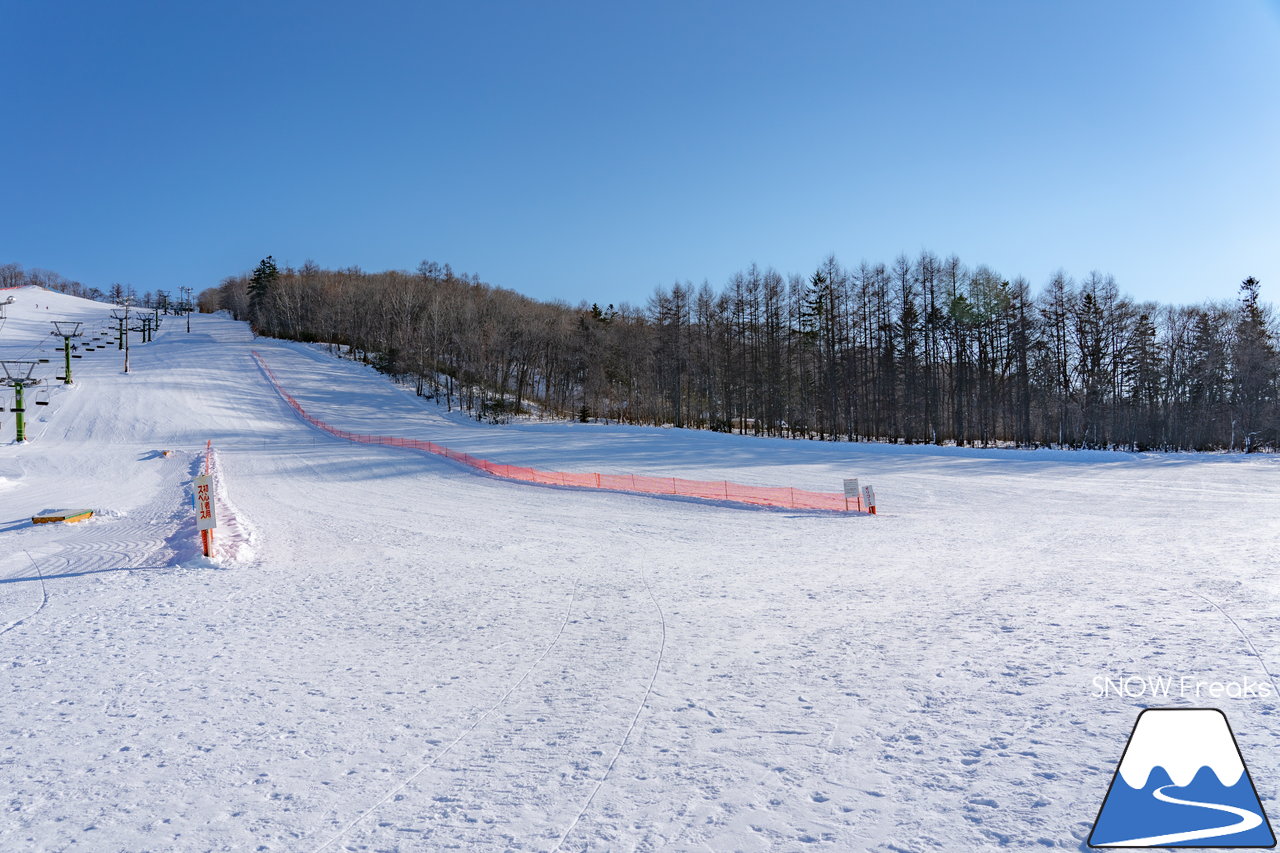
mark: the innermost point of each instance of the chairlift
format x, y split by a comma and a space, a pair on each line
42, 398
44, 361
18, 372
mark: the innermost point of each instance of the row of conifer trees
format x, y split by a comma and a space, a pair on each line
921, 350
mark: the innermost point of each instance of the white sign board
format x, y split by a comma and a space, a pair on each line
204, 503
851, 488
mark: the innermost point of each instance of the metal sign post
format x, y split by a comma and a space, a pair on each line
851, 491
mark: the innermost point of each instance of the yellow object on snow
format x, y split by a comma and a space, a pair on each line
49, 516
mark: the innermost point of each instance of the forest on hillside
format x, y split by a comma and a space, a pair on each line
920, 350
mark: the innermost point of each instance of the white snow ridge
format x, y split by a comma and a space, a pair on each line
1181, 741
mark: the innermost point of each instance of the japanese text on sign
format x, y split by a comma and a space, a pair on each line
204, 504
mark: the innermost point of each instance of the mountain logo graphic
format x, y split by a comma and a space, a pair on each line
1182, 783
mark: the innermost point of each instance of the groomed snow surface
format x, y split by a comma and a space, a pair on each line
393, 653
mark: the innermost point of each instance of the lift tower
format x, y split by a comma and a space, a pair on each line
68, 329
121, 316
18, 374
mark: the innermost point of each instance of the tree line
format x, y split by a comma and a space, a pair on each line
14, 275
925, 349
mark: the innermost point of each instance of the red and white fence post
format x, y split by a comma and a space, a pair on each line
206, 519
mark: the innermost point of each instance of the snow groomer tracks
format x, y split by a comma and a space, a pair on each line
526, 772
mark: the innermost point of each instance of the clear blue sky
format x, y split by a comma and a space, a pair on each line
594, 150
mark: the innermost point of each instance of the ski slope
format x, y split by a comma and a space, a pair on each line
393, 653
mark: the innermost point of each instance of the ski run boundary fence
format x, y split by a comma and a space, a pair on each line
711, 490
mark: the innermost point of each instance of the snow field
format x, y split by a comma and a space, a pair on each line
408, 656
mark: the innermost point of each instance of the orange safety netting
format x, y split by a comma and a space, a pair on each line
774, 496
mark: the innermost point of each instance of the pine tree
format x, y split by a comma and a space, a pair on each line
259, 287
1208, 381
1253, 362
1142, 378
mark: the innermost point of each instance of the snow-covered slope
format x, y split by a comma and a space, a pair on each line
403, 655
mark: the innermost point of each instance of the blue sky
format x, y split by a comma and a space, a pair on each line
592, 151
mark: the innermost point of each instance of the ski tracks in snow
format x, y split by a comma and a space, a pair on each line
157, 535
44, 598
551, 730
442, 753
1248, 642
657, 666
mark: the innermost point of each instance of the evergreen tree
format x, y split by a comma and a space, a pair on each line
1208, 381
1253, 369
1142, 373
259, 287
